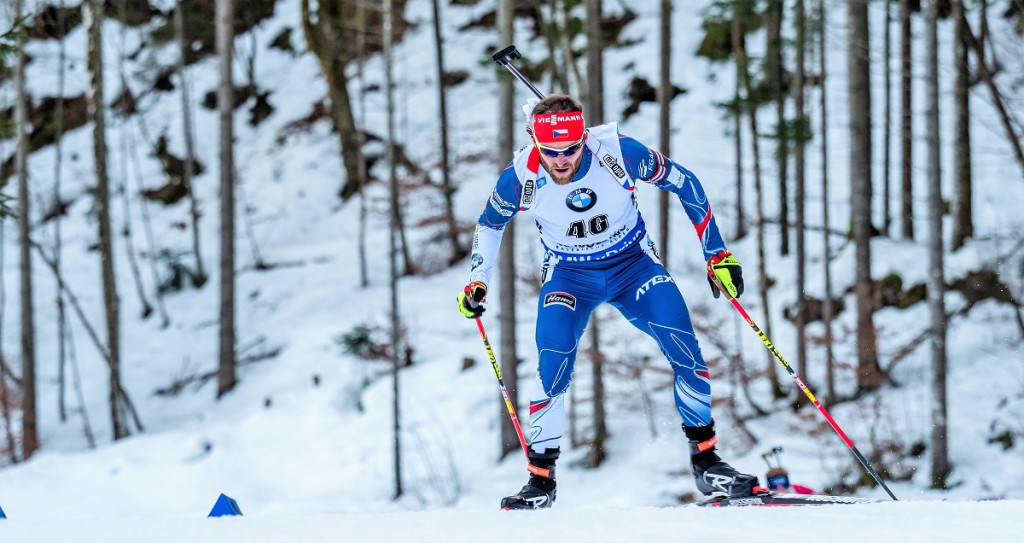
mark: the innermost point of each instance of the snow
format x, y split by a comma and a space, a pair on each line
304, 443
904, 522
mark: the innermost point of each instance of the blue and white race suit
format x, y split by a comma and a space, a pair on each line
597, 251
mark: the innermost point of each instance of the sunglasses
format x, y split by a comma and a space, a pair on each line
568, 151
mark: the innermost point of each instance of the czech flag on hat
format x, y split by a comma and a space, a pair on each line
558, 127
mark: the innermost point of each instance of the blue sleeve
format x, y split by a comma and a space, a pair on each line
650, 166
504, 201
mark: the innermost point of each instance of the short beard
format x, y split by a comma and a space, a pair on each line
562, 180
568, 178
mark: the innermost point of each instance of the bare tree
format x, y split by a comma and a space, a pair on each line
869, 375
186, 126
738, 109
997, 97
775, 73
507, 273
361, 31
827, 309
665, 118
29, 431
887, 132
122, 187
560, 79
963, 220
799, 196
906, 123
111, 302
458, 252
226, 372
597, 453
569, 57
741, 13
5, 399
595, 111
327, 33
58, 160
393, 239
936, 285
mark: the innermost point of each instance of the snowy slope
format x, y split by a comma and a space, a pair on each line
306, 450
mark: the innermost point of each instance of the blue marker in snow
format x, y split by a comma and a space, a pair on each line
225, 506
2, 515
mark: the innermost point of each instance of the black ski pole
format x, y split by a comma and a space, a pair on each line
778, 356
505, 58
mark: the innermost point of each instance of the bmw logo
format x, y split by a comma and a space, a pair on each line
581, 200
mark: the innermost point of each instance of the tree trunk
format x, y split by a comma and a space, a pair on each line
364, 278
869, 375
665, 121
326, 34
29, 431
560, 80
743, 72
936, 285
597, 453
457, 252
984, 35
741, 218
122, 187
568, 57
507, 256
58, 162
226, 377
595, 110
906, 124
775, 73
5, 398
827, 309
111, 303
887, 135
799, 196
393, 241
186, 118
963, 219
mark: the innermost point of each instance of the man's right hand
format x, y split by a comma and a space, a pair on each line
471, 300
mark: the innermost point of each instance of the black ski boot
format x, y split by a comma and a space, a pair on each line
539, 492
713, 475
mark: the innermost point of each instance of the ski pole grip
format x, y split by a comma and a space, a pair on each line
506, 55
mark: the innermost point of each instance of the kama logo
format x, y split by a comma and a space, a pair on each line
527, 198
581, 200
613, 164
656, 280
477, 260
561, 298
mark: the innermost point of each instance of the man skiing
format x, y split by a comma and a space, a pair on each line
579, 182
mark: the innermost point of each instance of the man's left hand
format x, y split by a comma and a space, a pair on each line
728, 271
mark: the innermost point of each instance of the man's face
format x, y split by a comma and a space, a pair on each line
563, 166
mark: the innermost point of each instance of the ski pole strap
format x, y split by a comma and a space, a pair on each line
548, 473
